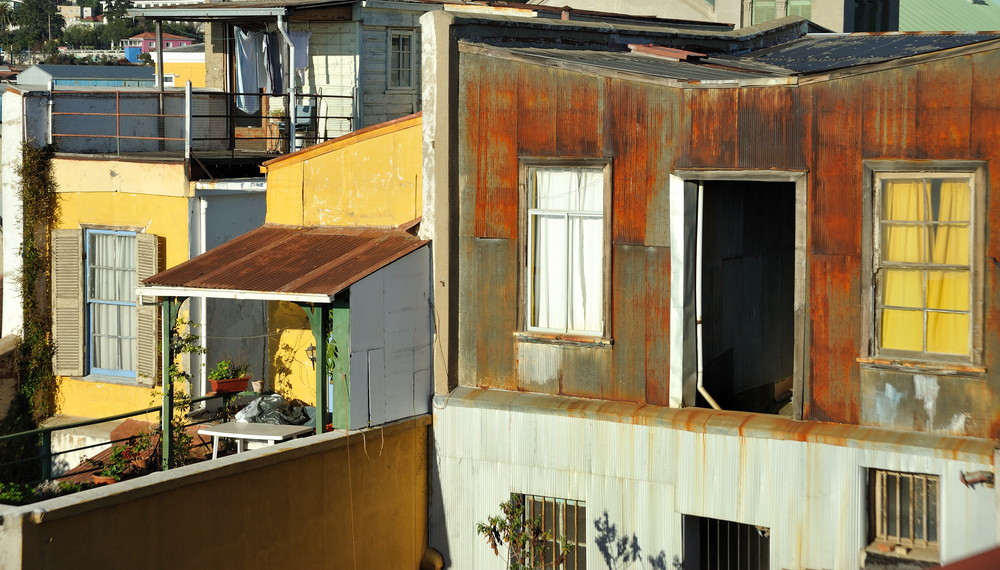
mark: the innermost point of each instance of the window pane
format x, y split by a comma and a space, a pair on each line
948, 333
949, 244
950, 200
902, 330
891, 505
903, 200
586, 274
932, 509
549, 270
948, 290
905, 503
113, 337
801, 8
904, 243
903, 288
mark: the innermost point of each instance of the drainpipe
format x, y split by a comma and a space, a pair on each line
283, 30
697, 296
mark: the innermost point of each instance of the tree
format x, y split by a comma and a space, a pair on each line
39, 20
115, 10
6, 16
80, 36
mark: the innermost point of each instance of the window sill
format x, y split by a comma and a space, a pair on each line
889, 549
920, 367
563, 339
108, 379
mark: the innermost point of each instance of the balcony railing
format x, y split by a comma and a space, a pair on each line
194, 122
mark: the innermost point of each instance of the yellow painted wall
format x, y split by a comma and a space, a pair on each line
291, 372
186, 71
369, 178
149, 196
329, 503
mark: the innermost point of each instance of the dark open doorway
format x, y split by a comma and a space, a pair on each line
747, 294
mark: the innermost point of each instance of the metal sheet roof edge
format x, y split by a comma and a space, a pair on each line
724, 422
201, 293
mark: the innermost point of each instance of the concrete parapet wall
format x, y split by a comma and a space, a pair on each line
329, 501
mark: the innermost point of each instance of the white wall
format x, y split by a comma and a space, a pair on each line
811, 495
390, 342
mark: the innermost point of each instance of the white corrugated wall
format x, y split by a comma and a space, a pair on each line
811, 495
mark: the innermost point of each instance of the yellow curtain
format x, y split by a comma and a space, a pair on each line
902, 289
949, 289
927, 225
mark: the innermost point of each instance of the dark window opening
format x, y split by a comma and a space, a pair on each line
713, 544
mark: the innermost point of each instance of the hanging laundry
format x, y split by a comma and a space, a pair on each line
300, 40
271, 57
249, 64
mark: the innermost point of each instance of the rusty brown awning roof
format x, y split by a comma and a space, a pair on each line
293, 263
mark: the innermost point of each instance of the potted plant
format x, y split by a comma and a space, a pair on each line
229, 376
116, 466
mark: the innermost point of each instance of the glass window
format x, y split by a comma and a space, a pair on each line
401, 58
565, 272
923, 264
764, 11
111, 303
801, 8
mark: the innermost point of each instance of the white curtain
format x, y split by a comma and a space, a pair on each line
567, 266
112, 301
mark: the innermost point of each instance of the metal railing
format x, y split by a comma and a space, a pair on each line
45, 454
188, 121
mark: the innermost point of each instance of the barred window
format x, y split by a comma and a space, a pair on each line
905, 509
565, 520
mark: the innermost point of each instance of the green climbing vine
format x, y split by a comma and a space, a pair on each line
40, 206
34, 397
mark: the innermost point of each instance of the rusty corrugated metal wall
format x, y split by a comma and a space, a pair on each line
939, 110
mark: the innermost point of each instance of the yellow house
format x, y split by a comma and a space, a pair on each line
183, 64
345, 280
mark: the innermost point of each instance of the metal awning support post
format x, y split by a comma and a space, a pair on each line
319, 320
290, 113
168, 319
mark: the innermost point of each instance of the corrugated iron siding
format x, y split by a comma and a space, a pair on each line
645, 473
941, 110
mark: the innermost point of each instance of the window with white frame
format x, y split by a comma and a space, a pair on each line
111, 306
401, 59
564, 522
566, 249
904, 508
924, 265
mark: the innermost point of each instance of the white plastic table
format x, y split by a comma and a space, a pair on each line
243, 432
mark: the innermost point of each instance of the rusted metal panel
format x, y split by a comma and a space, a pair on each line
469, 135
710, 145
835, 326
292, 259
496, 316
537, 113
468, 286
945, 117
955, 405
630, 118
579, 115
629, 300
890, 113
496, 186
657, 325
835, 215
769, 129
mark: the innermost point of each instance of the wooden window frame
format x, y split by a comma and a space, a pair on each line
904, 543
873, 172
390, 71
527, 165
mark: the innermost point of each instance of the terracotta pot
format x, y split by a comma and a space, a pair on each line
230, 385
102, 479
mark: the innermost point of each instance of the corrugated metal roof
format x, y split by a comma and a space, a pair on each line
291, 260
955, 15
810, 54
818, 53
708, 69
